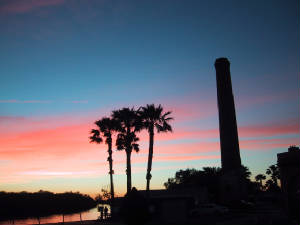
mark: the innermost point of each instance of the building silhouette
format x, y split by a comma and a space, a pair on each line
289, 167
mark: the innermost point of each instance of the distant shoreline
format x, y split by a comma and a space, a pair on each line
73, 222
89, 222
25, 205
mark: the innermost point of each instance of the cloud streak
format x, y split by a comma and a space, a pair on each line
24, 101
42, 101
25, 6
37, 146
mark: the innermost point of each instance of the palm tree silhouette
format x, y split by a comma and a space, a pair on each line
273, 171
245, 172
128, 125
153, 117
106, 127
260, 178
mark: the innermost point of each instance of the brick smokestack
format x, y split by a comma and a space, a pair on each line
230, 151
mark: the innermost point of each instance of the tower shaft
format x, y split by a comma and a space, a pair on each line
230, 151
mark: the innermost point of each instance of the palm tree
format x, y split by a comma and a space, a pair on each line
246, 173
106, 127
128, 125
153, 117
273, 171
260, 178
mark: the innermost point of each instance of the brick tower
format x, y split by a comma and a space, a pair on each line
231, 183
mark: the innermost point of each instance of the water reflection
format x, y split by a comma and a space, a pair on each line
91, 214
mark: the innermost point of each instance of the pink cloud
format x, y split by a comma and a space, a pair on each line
59, 146
24, 6
23, 101
15, 125
264, 130
249, 101
267, 144
190, 111
40, 101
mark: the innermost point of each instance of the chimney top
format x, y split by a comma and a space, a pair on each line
222, 61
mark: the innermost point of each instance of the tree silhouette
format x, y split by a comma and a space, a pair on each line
270, 186
153, 117
128, 125
273, 171
293, 148
246, 173
192, 178
212, 171
260, 178
106, 127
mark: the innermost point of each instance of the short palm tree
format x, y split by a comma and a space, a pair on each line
245, 172
128, 125
273, 171
153, 117
259, 178
106, 127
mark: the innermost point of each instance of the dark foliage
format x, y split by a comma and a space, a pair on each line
128, 124
42, 203
208, 177
271, 186
274, 172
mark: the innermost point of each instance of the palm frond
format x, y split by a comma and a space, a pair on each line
136, 147
95, 137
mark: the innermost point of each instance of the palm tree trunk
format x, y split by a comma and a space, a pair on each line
261, 186
112, 192
128, 170
150, 156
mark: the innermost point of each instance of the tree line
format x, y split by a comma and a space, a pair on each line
125, 123
25, 204
209, 177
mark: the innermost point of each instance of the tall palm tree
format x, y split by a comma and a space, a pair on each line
153, 117
273, 171
128, 125
260, 178
106, 127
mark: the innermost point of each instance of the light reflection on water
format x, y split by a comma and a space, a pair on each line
91, 214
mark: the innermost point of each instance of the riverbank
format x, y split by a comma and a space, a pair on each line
87, 222
90, 222
90, 215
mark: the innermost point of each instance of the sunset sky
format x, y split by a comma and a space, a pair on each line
66, 63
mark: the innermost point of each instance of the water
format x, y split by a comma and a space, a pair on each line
91, 214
